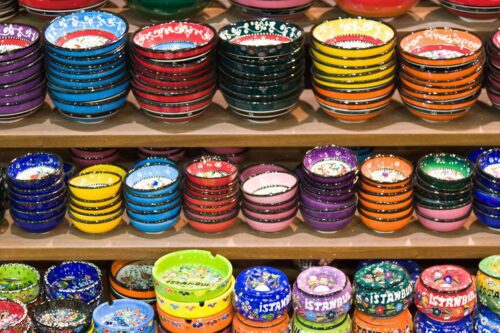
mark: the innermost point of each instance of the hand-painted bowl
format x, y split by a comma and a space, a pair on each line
324, 225
154, 207
382, 290
19, 40
262, 294
327, 195
330, 164
486, 320
453, 286
426, 324
487, 182
47, 203
488, 283
382, 225
21, 283
386, 214
133, 279
361, 322
242, 324
155, 215
488, 164
61, 315
172, 9
448, 171
38, 215
207, 276
124, 315
268, 222
85, 34
389, 198
152, 179
486, 198
15, 317
95, 186
158, 226
40, 226
212, 225
443, 212
260, 38
322, 295
211, 171
96, 224
442, 225
340, 325
327, 214
73, 280
270, 187
353, 37
387, 170
259, 168
370, 8
34, 170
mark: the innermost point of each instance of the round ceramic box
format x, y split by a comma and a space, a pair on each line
488, 283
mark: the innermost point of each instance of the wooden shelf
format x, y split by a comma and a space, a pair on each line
240, 242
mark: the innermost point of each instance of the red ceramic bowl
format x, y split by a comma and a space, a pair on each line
193, 106
469, 13
210, 196
162, 41
376, 8
177, 69
180, 83
211, 209
213, 189
59, 5
204, 201
211, 171
212, 226
169, 98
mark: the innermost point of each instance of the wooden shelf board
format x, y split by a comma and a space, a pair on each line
240, 242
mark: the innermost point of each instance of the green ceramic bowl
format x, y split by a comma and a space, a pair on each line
442, 203
341, 325
19, 282
168, 9
447, 171
488, 283
191, 276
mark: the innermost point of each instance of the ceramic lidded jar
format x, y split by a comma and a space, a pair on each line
424, 324
400, 323
322, 294
382, 289
485, 321
262, 294
445, 293
340, 325
488, 283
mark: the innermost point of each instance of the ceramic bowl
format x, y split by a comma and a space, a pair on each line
269, 222
16, 316
40, 226
488, 281
95, 186
158, 226
131, 315
34, 170
486, 198
270, 187
38, 215
170, 10
99, 225
208, 223
488, 164
133, 279
330, 164
445, 170
444, 212
152, 179
166, 276
485, 319
385, 214
387, 170
471, 13
52, 316
24, 285
47, 203
363, 322
373, 9
442, 225
491, 221
329, 214
24, 40
326, 226
211, 171
382, 225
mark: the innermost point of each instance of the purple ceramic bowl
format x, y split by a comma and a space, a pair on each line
22, 106
22, 73
329, 214
326, 225
21, 86
225, 150
260, 168
493, 95
27, 36
322, 294
493, 82
25, 96
346, 185
20, 62
311, 203
330, 164
325, 195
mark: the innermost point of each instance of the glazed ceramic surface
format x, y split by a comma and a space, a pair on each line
34, 170
124, 316
340, 325
17, 40
488, 283
370, 8
330, 163
361, 322
425, 324
60, 315
19, 282
485, 320
14, 317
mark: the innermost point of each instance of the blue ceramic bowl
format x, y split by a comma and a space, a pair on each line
73, 280
473, 155
38, 215
151, 200
152, 179
153, 160
168, 204
39, 205
34, 170
63, 35
91, 108
490, 221
105, 58
155, 216
49, 189
33, 198
489, 210
156, 227
488, 162
131, 316
90, 119
424, 324
69, 170
96, 94
486, 198
86, 84
41, 226
97, 73
262, 293
486, 321
493, 185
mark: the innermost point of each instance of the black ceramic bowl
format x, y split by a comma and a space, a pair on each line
256, 81
284, 73
259, 68
262, 97
56, 310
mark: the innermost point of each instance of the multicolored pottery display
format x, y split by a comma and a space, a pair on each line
262, 294
424, 324
242, 324
61, 316
488, 283
14, 318
322, 295
441, 72
487, 188
486, 321
340, 325
493, 68
473, 10
378, 9
354, 67
445, 293
22, 79
261, 68
400, 323
19, 282
123, 315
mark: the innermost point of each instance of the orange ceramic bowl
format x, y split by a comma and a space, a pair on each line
385, 205
382, 189
365, 323
376, 8
244, 325
353, 106
388, 198
428, 87
384, 225
388, 170
116, 266
353, 117
433, 117
369, 94
210, 324
451, 75
386, 214
474, 77
461, 94
440, 47
438, 105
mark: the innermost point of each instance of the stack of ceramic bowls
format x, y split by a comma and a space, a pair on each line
445, 294
487, 189
173, 68
377, 9
53, 8
488, 284
8, 9
174, 154
74, 280
383, 292
322, 299
15, 317
270, 197
354, 67
261, 68
22, 283
262, 297
441, 72
152, 195
493, 81
61, 316
211, 194
328, 187
235, 155
37, 192
159, 9
3, 196
284, 9
473, 10
86, 65
193, 290
386, 193
132, 280
95, 204
124, 315
362, 152
22, 80
85, 157
443, 191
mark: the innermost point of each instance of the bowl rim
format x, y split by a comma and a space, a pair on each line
93, 103
54, 56
77, 205
155, 204
31, 43
30, 268
310, 217
376, 156
38, 51
30, 181
109, 219
246, 200
23, 81
381, 220
211, 158
112, 276
353, 170
172, 166
271, 221
481, 206
483, 155
232, 202
291, 188
67, 262
97, 89
393, 73
48, 304
118, 181
453, 156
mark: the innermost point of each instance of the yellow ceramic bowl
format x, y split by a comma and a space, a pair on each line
95, 186
328, 61
337, 85
105, 168
91, 329
96, 204
197, 310
99, 227
369, 77
95, 215
353, 37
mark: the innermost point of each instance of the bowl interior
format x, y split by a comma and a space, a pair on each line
270, 183
62, 314
321, 281
446, 278
123, 314
95, 180
16, 36
386, 169
72, 276
17, 276
330, 161
489, 163
13, 313
152, 177
32, 167
446, 167
210, 167
262, 280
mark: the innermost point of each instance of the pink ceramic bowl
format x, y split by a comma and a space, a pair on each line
445, 214
255, 169
92, 154
271, 208
269, 215
225, 150
442, 225
270, 187
82, 162
275, 4
268, 225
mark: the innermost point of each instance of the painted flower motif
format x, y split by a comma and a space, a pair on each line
311, 315
330, 315
399, 307
436, 312
380, 310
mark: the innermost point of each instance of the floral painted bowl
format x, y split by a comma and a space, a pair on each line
34, 170
387, 170
152, 179
19, 40
361, 322
260, 38
85, 34
191, 276
19, 282
133, 279
61, 315
486, 320
320, 286
448, 171
270, 187
14, 317
488, 164
211, 171
340, 325
124, 315
488, 283
262, 294
330, 164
